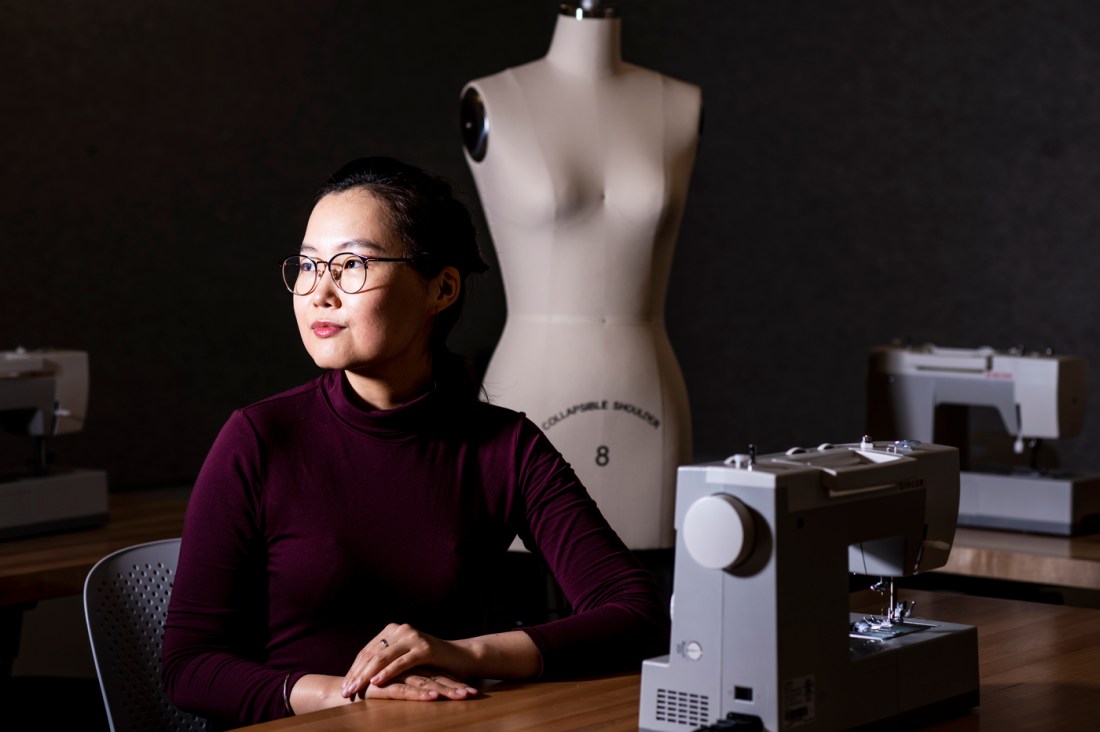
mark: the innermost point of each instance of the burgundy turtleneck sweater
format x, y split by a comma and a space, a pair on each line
314, 522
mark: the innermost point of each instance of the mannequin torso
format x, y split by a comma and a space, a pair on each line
583, 172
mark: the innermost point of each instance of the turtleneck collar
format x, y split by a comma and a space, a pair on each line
423, 414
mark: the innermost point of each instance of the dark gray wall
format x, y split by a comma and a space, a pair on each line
869, 170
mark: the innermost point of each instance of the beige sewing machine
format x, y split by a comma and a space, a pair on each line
44, 394
926, 393
762, 637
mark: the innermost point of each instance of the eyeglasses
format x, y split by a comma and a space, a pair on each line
348, 271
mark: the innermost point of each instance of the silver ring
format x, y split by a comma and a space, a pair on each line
385, 643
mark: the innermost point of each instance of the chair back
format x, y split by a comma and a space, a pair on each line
125, 602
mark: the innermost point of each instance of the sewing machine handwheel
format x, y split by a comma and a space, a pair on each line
718, 531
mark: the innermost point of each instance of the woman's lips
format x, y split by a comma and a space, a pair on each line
325, 329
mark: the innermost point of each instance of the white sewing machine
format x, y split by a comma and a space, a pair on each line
44, 394
925, 393
762, 636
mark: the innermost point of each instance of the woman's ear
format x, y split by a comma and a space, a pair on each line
448, 284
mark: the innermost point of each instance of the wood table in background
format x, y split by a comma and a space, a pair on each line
1039, 667
54, 565
1033, 558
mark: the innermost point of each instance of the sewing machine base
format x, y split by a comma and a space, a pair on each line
903, 678
1045, 504
924, 683
59, 501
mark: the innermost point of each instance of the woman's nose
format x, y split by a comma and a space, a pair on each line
326, 293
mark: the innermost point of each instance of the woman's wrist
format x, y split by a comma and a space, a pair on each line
508, 655
313, 692
471, 657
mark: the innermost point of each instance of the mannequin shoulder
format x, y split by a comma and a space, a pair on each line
497, 96
683, 93
679, 98
676, 92
683, 102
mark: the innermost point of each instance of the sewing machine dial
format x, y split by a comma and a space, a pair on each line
718, 531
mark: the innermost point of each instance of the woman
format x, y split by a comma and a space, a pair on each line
344, 539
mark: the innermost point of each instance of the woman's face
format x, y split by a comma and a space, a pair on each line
382, 332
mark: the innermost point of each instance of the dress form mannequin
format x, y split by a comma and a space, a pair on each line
582, 165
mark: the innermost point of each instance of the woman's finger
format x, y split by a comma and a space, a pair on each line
374, 656
448, 683
421, 687
398, 690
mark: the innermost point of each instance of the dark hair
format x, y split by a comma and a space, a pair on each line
435, 230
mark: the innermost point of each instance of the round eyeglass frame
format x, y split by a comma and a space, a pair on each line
335, 274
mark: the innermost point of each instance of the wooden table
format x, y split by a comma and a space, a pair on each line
1039, 667
54, 565
1032, 558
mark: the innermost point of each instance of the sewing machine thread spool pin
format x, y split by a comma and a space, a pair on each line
740, 460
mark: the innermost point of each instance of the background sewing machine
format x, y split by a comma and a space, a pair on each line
761, 629
927, 393
44, 394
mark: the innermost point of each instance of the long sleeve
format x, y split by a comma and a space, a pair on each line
217, 582
619, 618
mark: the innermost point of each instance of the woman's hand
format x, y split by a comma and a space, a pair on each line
418, 685
393, 654
317, 691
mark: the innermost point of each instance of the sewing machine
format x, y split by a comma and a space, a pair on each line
762, 637
44, 394
926, 393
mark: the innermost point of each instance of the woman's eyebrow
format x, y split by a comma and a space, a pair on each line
349, 245
360, 244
